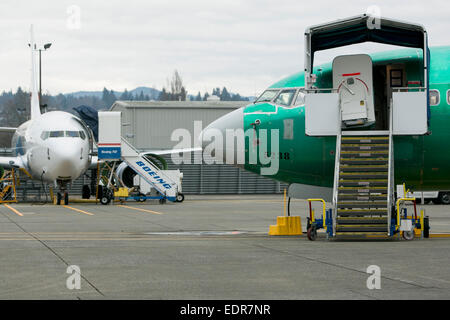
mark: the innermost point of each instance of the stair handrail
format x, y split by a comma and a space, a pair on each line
139, 154
390, 167
311, 211
336, 169
397, 226
130, 145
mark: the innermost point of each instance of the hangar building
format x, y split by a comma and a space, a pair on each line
148, 125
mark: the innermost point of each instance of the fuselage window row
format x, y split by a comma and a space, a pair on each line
59, 134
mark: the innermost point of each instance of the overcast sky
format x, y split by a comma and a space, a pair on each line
243, 45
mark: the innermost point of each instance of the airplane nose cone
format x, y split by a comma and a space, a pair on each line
223, 136
66, 161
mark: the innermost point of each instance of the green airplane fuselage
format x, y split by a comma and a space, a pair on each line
422, 162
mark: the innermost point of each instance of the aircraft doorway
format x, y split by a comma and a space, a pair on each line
380, 97
385, 78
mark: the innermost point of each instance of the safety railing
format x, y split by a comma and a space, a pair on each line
390, 192
408, 89
397, 226
8, 187
311, 211
337, 162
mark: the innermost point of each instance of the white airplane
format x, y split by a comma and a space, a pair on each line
56, 147
53, 147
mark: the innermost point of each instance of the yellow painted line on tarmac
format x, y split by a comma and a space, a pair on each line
121, 239
75, 209
139, 209
239, 201
13, 210
439, 235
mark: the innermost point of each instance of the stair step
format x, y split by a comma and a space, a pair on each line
378, 235
362, 197
364, 161
362, 175
365, 139
361, 212
364, 147
363, 168
361, 228
361, 220
362, 190
362, 204
363, 183
365, 154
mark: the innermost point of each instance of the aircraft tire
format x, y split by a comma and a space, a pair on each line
104, 200
66, 198
86, 192
58, 198
444, 197
408, 235
312, 233
180, 197
426, 227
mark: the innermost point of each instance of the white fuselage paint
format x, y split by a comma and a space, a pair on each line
58, 159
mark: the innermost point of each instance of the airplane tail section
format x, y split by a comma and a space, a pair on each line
35, 103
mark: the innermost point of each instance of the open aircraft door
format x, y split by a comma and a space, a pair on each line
408, 107
352, 76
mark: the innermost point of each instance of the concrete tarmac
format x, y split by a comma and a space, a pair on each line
208, 247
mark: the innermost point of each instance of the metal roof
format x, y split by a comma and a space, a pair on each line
180, 104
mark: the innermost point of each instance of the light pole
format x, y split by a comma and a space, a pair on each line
43, 106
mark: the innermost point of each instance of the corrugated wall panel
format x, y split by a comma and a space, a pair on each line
149, 125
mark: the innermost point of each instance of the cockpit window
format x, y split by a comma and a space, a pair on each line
267, 96
300, 100
285, 97
44, 135
56, 134
72, 134
59, 134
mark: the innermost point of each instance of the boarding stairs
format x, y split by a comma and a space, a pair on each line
363, 184
149, 172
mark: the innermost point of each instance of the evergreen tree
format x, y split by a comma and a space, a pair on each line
125, 95
216, 92
163, 95
107, 97
225, 96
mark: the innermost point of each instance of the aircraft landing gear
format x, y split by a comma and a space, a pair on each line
63, 194
106, 196
60, 198
86, 192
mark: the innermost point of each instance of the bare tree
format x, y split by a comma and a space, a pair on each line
177, 90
